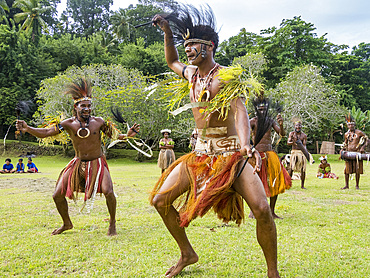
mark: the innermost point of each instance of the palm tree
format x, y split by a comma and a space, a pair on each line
32, 12
3, 7
120, 24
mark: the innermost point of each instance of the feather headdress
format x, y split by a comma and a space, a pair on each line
190, 24
80, 90
349, 118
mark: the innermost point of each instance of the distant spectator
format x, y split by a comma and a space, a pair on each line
166, 153
193, 139
7, 167
31, 166
324, 170
20, 166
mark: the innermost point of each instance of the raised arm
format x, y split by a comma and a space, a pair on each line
170, 51
38, 132
291, 139
279, 126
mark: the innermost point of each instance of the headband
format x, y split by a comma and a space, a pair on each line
210, 43
82, 99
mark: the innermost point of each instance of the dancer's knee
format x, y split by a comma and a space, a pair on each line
109, 193
262, 211
159, 202
57, 196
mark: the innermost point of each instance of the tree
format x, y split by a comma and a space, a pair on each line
142, 14
254, 64
351, 75
22, 67
51, 16
149, 60
294, 44
306, 96
32, 16
3, 7
89, 16
237, 46
121, 25
117, 87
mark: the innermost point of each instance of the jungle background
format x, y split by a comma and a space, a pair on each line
315, 80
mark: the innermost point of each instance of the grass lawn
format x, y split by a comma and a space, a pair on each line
325, 231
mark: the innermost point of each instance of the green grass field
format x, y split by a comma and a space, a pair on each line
325, 231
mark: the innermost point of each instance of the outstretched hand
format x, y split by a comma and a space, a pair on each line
133, 130
21, 126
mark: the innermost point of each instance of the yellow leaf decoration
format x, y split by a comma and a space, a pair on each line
236, 83
53, 121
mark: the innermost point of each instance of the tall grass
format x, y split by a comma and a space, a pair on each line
325, 231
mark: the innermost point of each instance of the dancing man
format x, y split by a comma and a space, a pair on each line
88, 171
273, 174
298, 139
208, 174
354, 141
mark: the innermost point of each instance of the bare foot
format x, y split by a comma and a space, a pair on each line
251, 215
302, 187
346, 187
274, 274
276, 216
183, 262
357, 187
62, 229
112, 229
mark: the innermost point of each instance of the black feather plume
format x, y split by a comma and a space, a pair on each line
264, 120
23, 107
117, 116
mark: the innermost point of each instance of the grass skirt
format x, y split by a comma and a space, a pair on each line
211, 179
85, 176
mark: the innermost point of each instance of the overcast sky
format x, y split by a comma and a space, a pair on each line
344, 21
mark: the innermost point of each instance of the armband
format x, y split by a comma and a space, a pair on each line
183, 71
60, 128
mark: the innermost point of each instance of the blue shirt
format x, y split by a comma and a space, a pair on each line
20, 167
8, 167
32, 165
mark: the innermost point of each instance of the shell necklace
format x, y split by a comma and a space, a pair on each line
86, 128
204, 83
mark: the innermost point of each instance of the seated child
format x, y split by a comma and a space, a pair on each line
324, 170
7, 167
31, 166
20, 166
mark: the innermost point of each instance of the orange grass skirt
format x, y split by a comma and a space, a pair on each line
275, 178
211, 179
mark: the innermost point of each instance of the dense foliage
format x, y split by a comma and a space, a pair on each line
36, 47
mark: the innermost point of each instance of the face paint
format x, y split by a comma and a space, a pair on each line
84, 110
